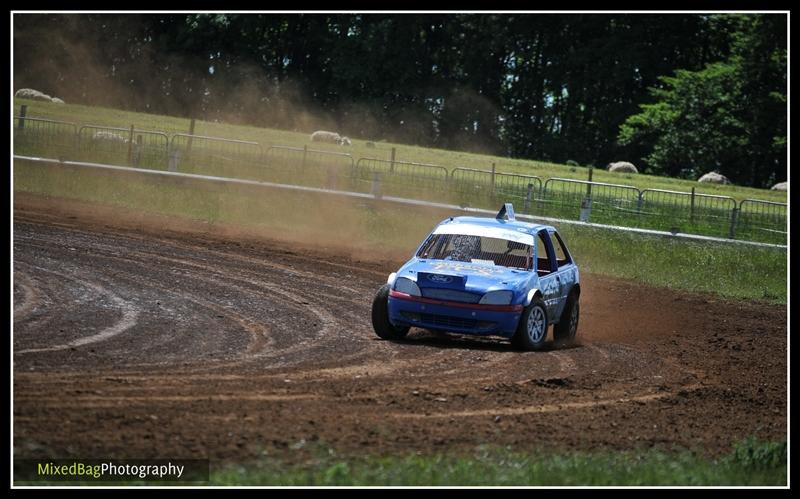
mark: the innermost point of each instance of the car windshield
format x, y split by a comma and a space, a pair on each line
477, 249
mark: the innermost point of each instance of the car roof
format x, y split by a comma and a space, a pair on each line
528, 227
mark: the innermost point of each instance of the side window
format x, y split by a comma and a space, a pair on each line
562, 255
544, 254
427, 246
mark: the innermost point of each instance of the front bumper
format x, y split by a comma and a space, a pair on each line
467, 318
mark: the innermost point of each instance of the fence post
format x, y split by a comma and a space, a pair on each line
191, 134
376, 185
639, 203
174, 157
528, 199
586, 204
305, 153
76, 139
137, 151
391, 165
494, 171
332, 177
130, 146
589, 185
734, 221
691, 208
23, 111
540, 197
586, 210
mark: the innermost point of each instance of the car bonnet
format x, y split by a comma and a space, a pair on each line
474, 277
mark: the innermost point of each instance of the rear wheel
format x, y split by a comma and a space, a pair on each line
567, 328
532, 329
380, 317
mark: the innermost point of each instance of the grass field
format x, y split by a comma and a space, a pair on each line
370, 227
728, 270
297, 162
112, 117
750, 463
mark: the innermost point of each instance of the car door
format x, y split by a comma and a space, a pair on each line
566, 271
547, 268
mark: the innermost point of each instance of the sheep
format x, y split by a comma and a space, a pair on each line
782, 186
323, 136
103, 135
345, 141
714, 178
29, 93
622, 167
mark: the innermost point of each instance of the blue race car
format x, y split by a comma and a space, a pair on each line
485, 276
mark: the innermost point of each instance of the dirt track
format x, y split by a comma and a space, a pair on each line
132, 343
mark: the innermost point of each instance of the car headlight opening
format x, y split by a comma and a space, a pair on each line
405, 285
497, 298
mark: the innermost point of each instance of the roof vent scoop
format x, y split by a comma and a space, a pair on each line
507, 212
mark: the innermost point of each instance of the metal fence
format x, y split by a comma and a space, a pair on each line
210, 155
760, 221
686, 211
307, 166
605, 203
141, 148
489, 185
44, 137
156, 177
402, 174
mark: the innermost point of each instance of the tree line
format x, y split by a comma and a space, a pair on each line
676, 94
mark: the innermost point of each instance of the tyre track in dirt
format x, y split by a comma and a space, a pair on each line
267, 289
127, 278
235, 277
263, 337
128, 319
28, 296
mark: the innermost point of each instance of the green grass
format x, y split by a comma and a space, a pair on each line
370, 228
450, 159
728, 270
750, 463
557, 199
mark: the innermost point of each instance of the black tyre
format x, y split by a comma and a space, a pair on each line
380, 317
532, 329
567, 328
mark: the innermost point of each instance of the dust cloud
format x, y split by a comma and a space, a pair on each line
54, 53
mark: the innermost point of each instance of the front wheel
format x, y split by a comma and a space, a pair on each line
532, 329
567, 328
380, 317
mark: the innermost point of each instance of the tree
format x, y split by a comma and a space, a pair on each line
729, 116
552, 87
695, 125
